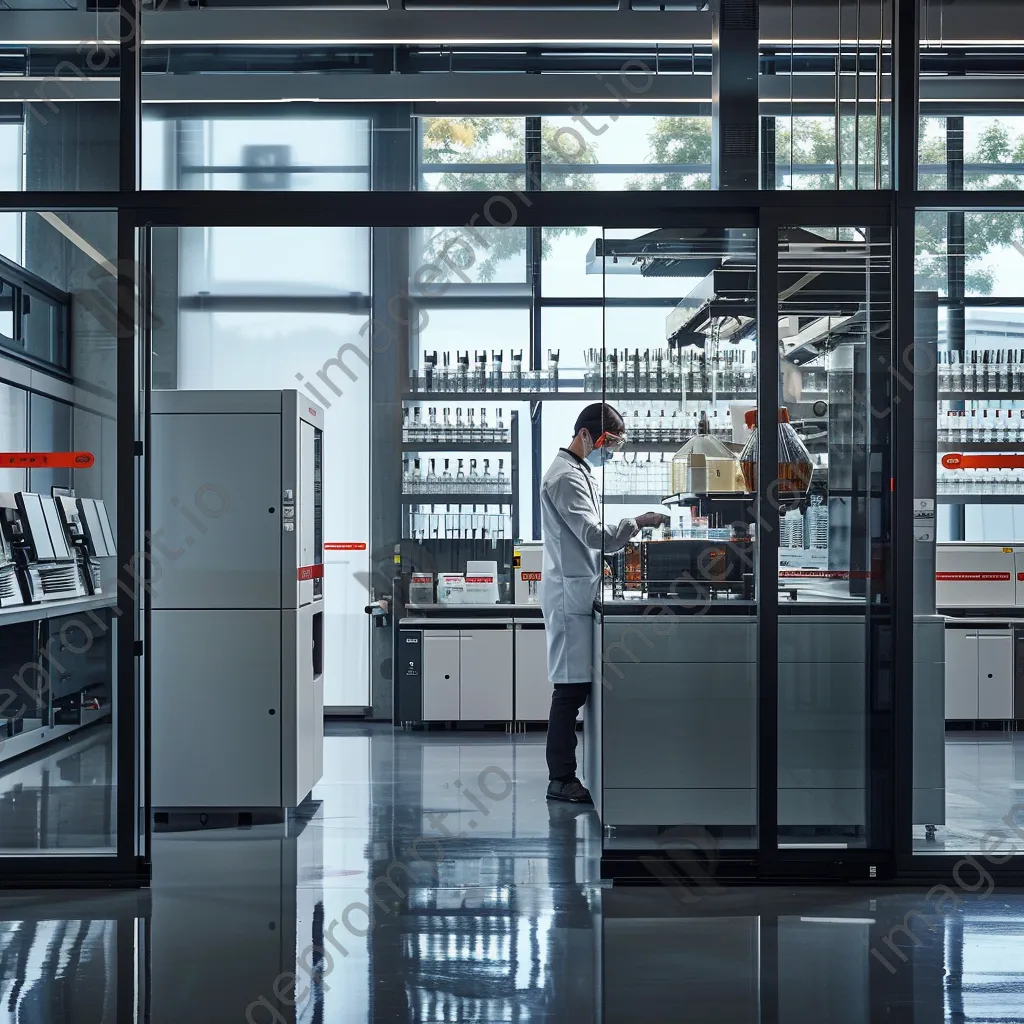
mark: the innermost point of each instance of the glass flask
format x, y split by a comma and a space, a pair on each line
795, 465
704, 464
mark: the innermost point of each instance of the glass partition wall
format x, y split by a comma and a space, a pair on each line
689, 151
742, 714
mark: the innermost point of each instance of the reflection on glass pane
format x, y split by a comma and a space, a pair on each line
614, 153
484, 153
446, 257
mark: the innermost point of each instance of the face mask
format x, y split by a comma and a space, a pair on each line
599, 457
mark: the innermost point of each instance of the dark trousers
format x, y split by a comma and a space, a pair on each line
566, 702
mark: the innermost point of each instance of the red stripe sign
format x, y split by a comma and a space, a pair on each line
49, 460
974, 577
344, 545
311, 572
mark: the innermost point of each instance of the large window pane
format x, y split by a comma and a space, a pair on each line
59, 119
274, 261
988, 257
564, 263
285, 153
808, 153
449, 258
973, 152
460, 154
615, 152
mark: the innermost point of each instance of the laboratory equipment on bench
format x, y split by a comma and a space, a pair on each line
706, 464
89, 535
46, 567
979, 575
691, 569
527, 566
237, 618
795, 464
10, 589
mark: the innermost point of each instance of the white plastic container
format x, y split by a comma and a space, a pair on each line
451, 588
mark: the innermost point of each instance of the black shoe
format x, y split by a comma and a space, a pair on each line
573, 792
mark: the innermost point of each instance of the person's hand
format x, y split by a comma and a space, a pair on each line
651, 520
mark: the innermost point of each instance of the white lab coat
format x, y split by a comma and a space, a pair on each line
573, 537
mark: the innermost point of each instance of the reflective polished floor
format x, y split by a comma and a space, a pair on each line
433, 882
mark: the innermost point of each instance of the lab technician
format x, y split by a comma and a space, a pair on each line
574, 538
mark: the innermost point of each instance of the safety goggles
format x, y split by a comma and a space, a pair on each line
613, 442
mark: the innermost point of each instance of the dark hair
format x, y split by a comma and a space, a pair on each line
598, 418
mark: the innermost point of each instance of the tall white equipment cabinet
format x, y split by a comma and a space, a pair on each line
236, 636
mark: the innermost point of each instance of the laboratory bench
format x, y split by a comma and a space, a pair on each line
57, 656
479, 664
671, 735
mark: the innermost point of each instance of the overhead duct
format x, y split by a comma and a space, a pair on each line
271, 5
511, 5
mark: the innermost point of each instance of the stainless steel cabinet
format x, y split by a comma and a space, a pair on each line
979, 674
441, 676
533, 688
961, 674
995, 674
486, 675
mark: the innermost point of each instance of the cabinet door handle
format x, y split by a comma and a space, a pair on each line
447, 677
990, 675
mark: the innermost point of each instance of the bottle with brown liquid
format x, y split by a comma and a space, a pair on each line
795, 465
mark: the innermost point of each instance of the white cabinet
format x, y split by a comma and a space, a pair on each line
961, 674
533, 688
995, 674
486, 679
979, 674
441, 676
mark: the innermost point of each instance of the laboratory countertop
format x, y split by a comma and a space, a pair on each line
472, 611
54, 609
722, 607
984, 616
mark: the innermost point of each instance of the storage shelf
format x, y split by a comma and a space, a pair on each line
981, 396
569, 395
962, 447
463, 498
980, 499
456, 446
